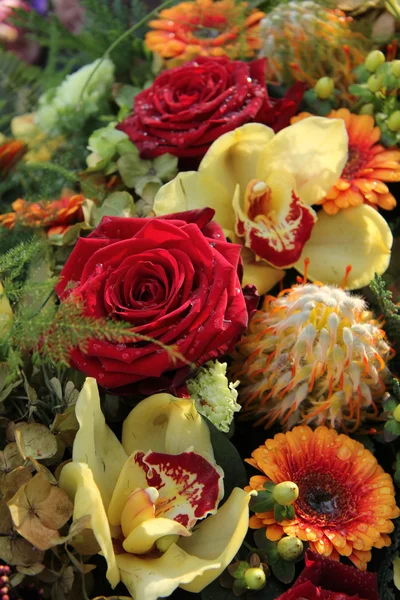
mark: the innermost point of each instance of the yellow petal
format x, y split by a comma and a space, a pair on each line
233, 157
193, 190
95, 444
132, 477
314, 151
77, 480
357, 236
396, 572
151, 578
144, 536
138, 508
260, 274
163, 423
218, 538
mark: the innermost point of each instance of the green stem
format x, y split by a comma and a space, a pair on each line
121, 38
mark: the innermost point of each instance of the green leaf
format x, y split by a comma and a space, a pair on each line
389, 405
126, 94
215, 591
228, 458
391, 429
361, 91
269, 485
283, 570
263, 502
266, 546
290, 511
279, 512
118, 204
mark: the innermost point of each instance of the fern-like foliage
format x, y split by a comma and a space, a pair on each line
390, 310
20, 87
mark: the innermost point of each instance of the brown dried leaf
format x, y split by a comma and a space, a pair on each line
14, 550
10, 459
34, 569
65, 426
14, 480
38, 510
67, 580
35, 440
76, 528
85, 543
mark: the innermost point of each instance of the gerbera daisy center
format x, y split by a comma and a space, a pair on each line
323, 498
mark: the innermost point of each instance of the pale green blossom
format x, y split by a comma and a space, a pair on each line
214, 396
77, 98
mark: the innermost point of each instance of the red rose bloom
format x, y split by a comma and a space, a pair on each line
189, 107
327, 579
174, 278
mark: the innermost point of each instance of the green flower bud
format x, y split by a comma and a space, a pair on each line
324, 87
255, 578
285, 493
396, 413
367, 109
393, 121
375, 83
289, 548
374, 60
396, 67
164, 542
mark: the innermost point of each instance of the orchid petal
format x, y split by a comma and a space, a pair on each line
151, 578
233, 157
77, 480
163, 423
95, 444
130, 479
218, 538
193, 190
143, 537
260, 273
357, 236
314, 151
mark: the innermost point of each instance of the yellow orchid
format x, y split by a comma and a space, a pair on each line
262, 187
144, 495
41, 147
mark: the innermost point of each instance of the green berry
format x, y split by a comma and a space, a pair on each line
396, 413
255, 578
393, 121
289, 548
285, 493
324, 87
164, 542
396, 67
367, 109
374, 60
375, 83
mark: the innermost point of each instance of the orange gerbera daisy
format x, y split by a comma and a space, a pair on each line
205, 28
346, 501
10, 153
56, 216
368, 166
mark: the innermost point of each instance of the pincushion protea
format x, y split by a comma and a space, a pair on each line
205, 28
313, 355
346, 501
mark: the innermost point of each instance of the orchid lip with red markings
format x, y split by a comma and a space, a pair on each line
190, 486
276, 238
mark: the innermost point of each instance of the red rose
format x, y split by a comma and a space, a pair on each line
327, 579
189, 107
174, 278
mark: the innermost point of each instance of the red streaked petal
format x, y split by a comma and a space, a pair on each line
189, 485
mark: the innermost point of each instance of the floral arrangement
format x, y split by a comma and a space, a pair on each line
199, 300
